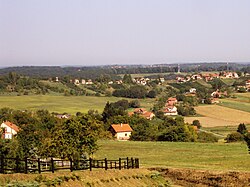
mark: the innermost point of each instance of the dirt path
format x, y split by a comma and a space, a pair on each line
202, 178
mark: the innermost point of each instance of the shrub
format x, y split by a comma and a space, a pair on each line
206, 137
234, 137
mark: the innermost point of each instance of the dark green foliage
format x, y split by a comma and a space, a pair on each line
134, 104
234, 137
127, 79
247, 139
152, 94
206, 137
242, 129
197, 123
132, 92
176, 130
186, 110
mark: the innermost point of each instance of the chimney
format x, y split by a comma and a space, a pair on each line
121, 124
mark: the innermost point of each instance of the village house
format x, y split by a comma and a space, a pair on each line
181, 79
170, 111
170, 108
196, 77
76, 82
229, 75
171, 101
192, 90
210, 76
121, 131
63, 116
83, 81
9, 130
89, 82
143, 112
218, 94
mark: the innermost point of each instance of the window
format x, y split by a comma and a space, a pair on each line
125, 134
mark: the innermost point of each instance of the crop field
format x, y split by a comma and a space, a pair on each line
214, 115
209, 156
241, 102
61, 104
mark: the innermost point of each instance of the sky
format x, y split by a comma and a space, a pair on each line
101, 32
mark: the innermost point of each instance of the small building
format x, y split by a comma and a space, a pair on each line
10, 129
83, 81
76, 82
170, 111
121, 131
192, 90
171, 101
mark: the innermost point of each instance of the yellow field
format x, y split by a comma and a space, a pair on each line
215, 115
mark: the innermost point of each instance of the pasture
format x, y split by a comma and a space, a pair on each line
215, 115
208, 156
61, 104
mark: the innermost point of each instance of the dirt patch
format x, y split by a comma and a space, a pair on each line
200, 178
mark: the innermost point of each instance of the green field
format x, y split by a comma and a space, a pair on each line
241, 102
61, 104
209, 156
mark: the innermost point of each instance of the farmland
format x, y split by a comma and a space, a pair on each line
214, 115
209, 156
61, 104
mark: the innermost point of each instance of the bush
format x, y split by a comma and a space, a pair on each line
206, 137
234, 137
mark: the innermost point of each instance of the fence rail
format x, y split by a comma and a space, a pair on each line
27, 165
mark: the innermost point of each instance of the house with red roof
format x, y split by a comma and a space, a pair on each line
170, 111
142, 112
121, 131
9, 130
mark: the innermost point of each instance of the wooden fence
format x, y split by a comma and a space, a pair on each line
27, 165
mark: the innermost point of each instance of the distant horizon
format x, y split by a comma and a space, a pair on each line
71, 65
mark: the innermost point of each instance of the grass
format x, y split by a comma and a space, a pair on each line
135, 177
60, 104
209, 156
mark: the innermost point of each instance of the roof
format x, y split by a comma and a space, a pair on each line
139, 110
12, 125
121, 127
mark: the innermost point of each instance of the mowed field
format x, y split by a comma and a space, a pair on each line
61, 104
209, 156
215, 115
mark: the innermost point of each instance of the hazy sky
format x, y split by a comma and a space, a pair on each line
91, 32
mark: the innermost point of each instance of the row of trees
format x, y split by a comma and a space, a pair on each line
43, 135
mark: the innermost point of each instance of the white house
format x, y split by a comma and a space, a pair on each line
10, 129
121, 131
170, 111
192, 90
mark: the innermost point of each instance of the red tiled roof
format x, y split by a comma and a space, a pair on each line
122, 128
139, 110
11, 125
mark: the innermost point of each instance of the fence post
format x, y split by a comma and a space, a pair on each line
127, 163
132, 161
52, 165
2, 164
137, 163
106, 164
26, 165
90, 164
120, 163
17, 163
71, 164
39, 165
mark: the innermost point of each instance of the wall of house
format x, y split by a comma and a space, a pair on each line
123, 135
9, 132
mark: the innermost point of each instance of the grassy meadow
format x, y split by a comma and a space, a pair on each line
61, 104
208, 156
